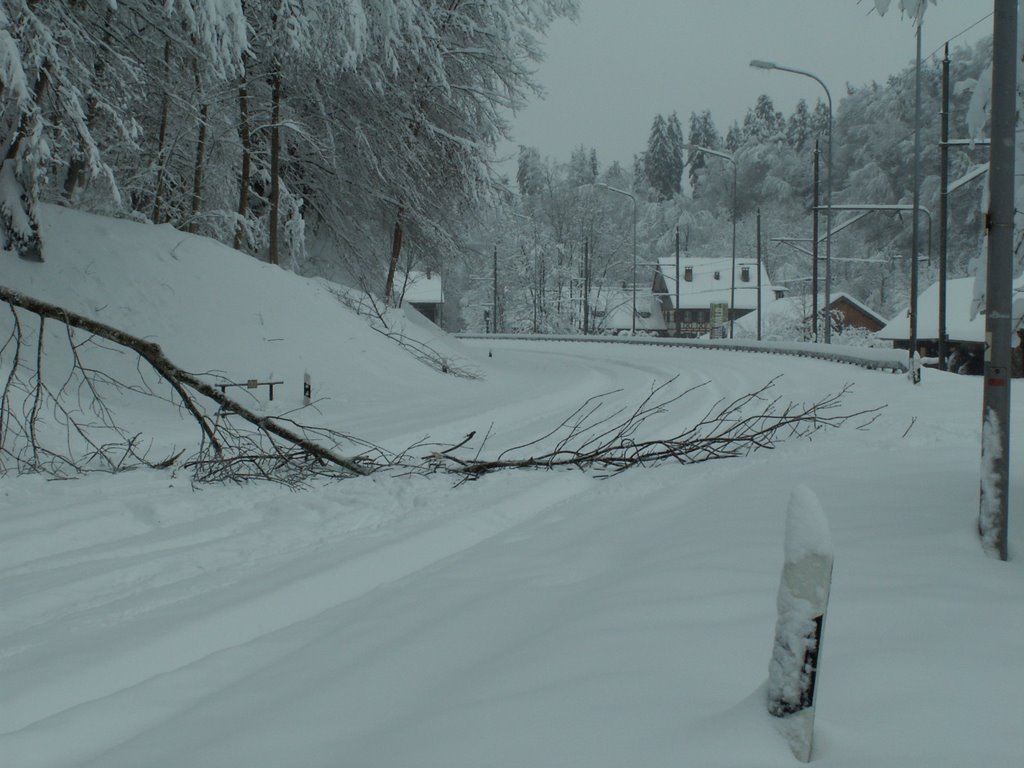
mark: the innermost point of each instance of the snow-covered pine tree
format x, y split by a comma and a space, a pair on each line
659, 160
799, 131
702, 134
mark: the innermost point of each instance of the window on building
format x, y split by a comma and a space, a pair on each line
745, 274
688, 274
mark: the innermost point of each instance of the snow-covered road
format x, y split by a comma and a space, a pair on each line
525, 619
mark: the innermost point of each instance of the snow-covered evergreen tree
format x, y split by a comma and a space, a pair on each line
702, 134
663, 158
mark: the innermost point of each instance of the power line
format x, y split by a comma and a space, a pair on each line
961, 33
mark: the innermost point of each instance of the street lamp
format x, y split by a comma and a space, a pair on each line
828, 194
731, 159
630, 196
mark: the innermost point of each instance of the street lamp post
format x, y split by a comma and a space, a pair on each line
828, 193
731, 159
631, 197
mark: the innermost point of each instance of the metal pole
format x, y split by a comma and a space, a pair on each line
758, 274
634, 262
633, 198
915, 373
995, 433
943, 206
677, 313
494, 308
814, 244
757, 64
732, 290
828, 223
586, 286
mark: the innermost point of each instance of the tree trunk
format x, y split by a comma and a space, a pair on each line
161, 156
245, 136
275, 164
77, 166
197, 179
396, 251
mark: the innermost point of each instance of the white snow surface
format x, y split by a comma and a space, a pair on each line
806, 526
525, 619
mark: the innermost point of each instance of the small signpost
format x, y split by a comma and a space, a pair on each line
719, 317
802, 604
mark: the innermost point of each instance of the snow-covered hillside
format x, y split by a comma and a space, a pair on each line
525, 619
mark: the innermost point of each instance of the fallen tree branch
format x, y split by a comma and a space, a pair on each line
592, 440
181, 381
238, 444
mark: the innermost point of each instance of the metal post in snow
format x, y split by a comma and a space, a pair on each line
993, 516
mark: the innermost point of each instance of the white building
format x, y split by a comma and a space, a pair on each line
686, 290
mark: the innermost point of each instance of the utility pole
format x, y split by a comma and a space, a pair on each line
494, 308
758, 274
586, 286
993, 516
943, 206
915, 371
814, 245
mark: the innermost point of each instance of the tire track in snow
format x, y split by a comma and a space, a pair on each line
227, 618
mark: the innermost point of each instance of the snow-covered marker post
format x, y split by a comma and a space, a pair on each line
802, 604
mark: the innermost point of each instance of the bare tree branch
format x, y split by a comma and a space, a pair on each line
180, 380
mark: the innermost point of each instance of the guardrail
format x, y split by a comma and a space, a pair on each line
893, 360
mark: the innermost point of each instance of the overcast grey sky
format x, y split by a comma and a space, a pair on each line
607, 75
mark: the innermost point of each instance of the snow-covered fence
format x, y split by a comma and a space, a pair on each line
802, 604
894, 360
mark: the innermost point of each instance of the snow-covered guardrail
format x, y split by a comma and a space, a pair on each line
894, 360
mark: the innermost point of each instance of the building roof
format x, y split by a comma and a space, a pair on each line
421, 288
959, 324
712, 283
843, 296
